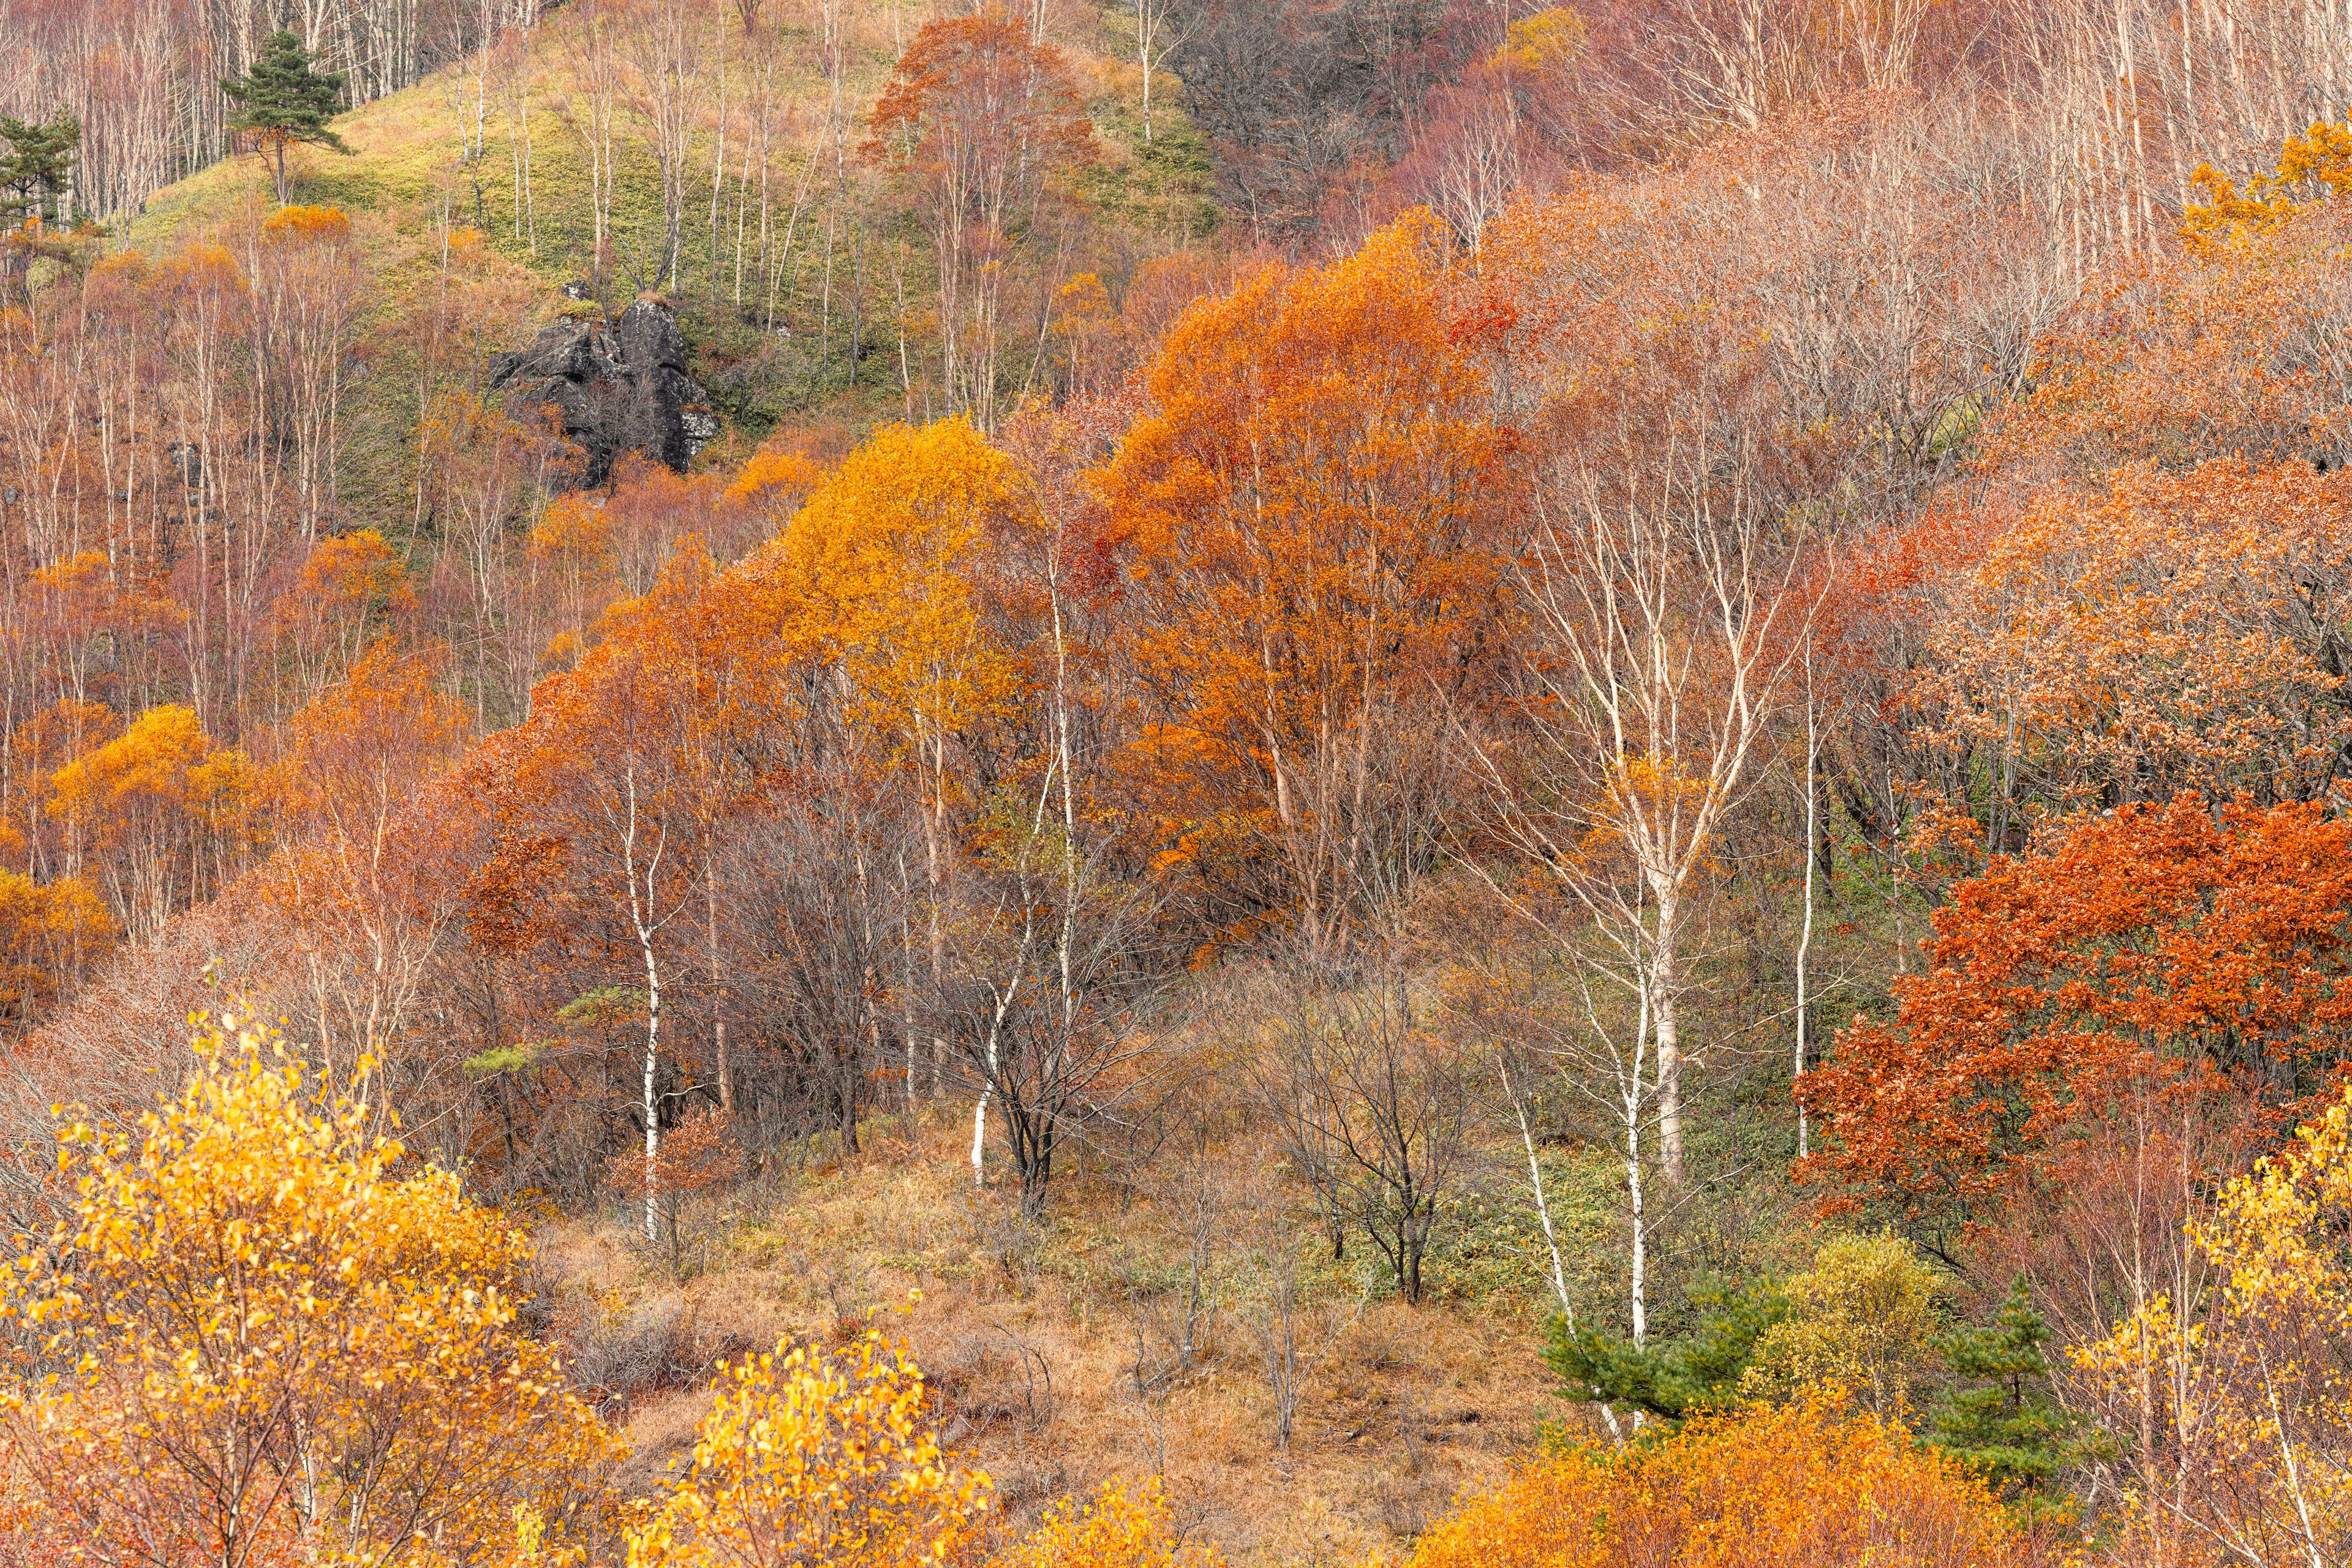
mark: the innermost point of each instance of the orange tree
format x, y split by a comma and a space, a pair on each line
2091, 645
606, 808
981, 118
2224, 346
2108, 1027
248, 1341
362, 873
1303, 531
1808, 1486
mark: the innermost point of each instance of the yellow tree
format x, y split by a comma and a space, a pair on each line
161, 812
809, 1455
248, 1342
2241, 1400
888, 561
49, 932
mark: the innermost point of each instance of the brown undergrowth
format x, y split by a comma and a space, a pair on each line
1057, 1351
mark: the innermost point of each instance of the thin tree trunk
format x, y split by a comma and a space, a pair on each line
1543, 1208
1663, 981
1805, 932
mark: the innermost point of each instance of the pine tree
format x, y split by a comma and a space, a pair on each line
1998, 1419
33, 173
1671, 1378
280, 100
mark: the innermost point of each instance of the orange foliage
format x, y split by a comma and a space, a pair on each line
1808, 1486
351, 589
50, 934
2166, 632
297, 225
983, 118
773, 481
2223, 349
1303, 528
161, 812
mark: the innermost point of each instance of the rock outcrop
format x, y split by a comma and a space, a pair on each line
616, 391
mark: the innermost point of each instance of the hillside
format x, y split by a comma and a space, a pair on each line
1544, 786
804, 293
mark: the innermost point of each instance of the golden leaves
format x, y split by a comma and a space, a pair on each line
268, 1287
2246, 1384
811, 1456
884, 557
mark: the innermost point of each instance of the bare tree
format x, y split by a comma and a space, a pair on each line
1664, 615
1042, 987
666, 51
1295, 1331
595, 69
1160, 28
1391, 1101
1575, 1011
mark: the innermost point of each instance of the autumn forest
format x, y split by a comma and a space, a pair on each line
1175, 784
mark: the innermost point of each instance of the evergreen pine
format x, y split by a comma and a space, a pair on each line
280, 100
1674, 1378
1998, 1419
33, 172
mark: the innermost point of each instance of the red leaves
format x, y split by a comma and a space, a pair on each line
2175, 948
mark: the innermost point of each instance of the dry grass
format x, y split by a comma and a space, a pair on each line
1031, 1342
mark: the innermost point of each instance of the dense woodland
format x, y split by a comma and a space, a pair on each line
1256, 781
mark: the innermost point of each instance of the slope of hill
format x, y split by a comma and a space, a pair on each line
1692, 803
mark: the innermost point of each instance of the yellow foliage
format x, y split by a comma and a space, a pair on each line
48, 931
2246, 1390
885, 556
812, 1457
1123, 1527
151, 758
249, 1333
1863, 1321
577, 533
161, 764
2320, 156
1553, 36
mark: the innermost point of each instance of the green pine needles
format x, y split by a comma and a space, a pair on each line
36, 167
280, 100
1998, 1419
1674, 1378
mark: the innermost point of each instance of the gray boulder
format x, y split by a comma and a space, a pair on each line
615, 390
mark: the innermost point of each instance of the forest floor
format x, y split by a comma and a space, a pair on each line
1055, 1348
